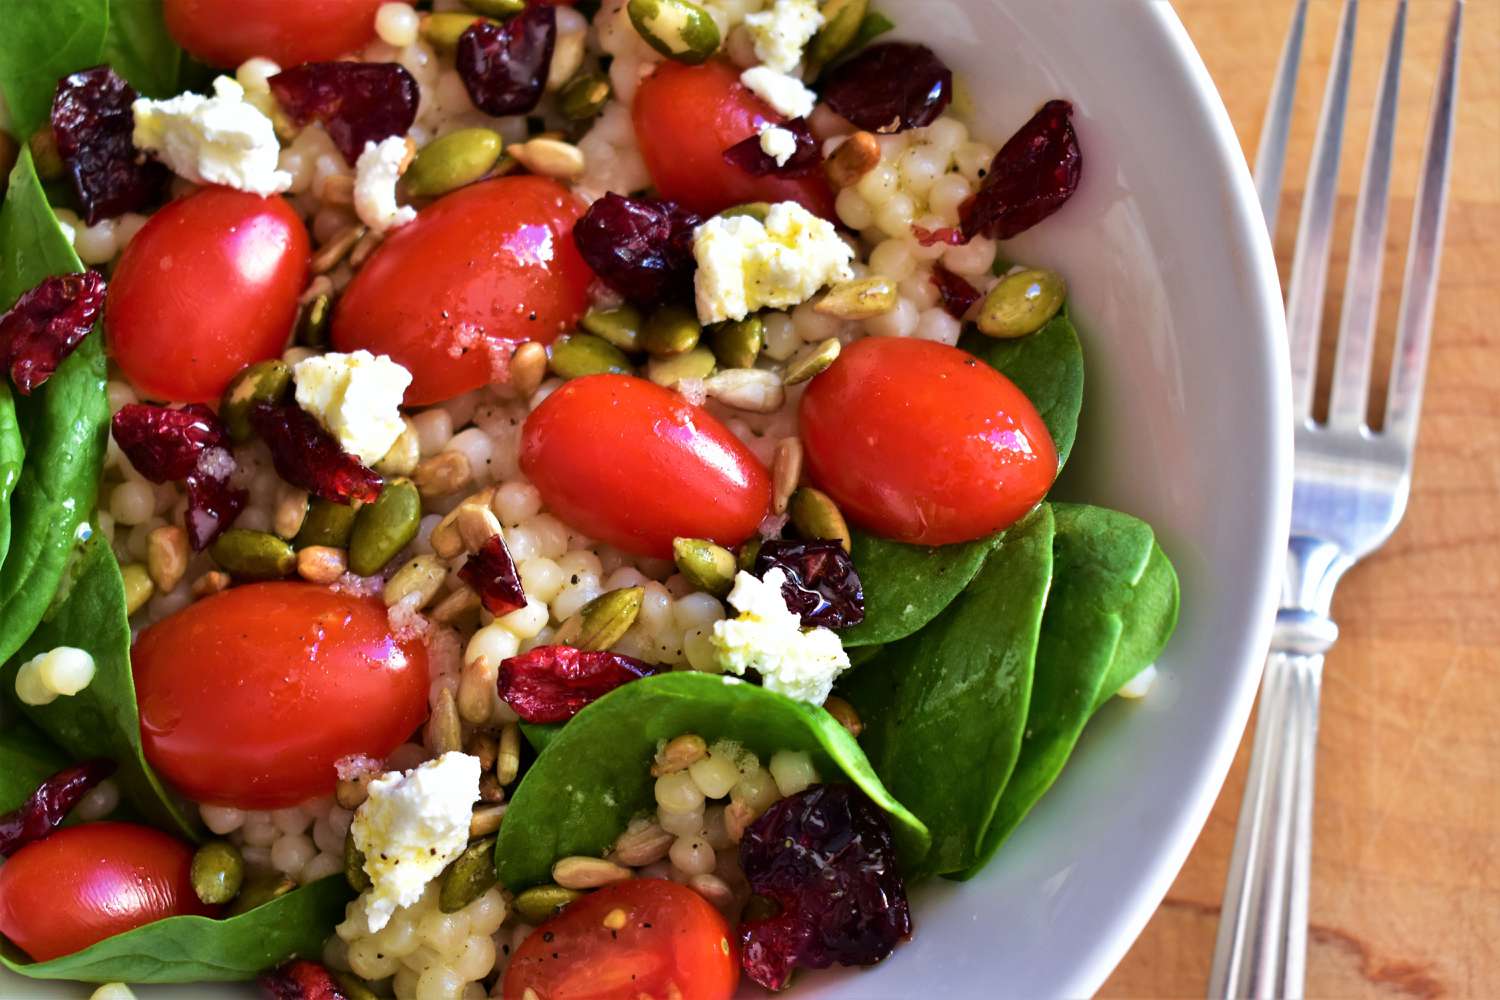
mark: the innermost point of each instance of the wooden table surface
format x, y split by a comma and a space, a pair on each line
1406, 871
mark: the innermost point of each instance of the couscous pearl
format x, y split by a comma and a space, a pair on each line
399, 936
879, 185
99, 802
947, 194
974, 258
793, 771
920, 290
492, 644
678, 793
97, 244
692, 856
257, 858
714, 775
487, 913
973, 160
781, 337
579, 562
323, 865
522, 544
516, 502
947, 133
813, 326
369, 962
439, 983
132, 502
853, 210
895, 216
290, 853
396, 24
574, 596
698, 647
696, 609
893, 259
625, 576
475, 445
253, 74
756, 790
443, 931
656, 607
920, 167
551, 535
936, 325
292, 820
475, 957
526, 622
223, 819
324, 837
434, 430
899, 322
714, 830
826, 123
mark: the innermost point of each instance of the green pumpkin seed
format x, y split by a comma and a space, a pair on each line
677, 29
737, 343
457, 159
442, 31
312, 323
575, 355
383, 528
352, 986
621, 327
469, 876
749, 552
354, 865
262, 382
707, 566
670, 331
604, 621
584, 97
750, 389
253, 555
217, 872
697, 363
813, 363
259, 890
1022, 303
757, 210
861, 299
815, 515
543, 902
138, 587
841, 20
327, 524
496, 8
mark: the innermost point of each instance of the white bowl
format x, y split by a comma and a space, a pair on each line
1186, 424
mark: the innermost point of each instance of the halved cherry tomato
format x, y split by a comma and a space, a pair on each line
248, 698
687, 116
227, 32
82, 884
924, 443
208, 286
635, 465
479, 271
664, 941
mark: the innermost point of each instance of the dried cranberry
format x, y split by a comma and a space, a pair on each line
357, 103
301, 981
641, 248
826, 857
932, 237
188, 444
821, 583
46, 324
554, 683
504, 66
957, 293
93, 124
492, 573
213, 503
890, 87
307, 456
50, 804
751, 158
1032, 176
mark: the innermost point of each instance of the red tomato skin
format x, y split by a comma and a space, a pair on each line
687, 116
924, 443
82, 884
208, 286
481, 270
249, 697
674, 943
635, 465
225, 33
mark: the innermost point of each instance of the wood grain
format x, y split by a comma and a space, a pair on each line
1406, 883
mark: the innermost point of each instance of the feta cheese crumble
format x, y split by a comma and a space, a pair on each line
356, 397
785, 94
222, 139
768, 637
1140, 685
63, 671
413, 824
778, 143
376, 172
781, 33
745, 265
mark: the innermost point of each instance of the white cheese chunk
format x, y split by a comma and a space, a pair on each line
778, 143
785, 94
413, 824
63, 671
1140, 685
222, 139
378, 169
356, 397
782, 32
745, 265
768, 637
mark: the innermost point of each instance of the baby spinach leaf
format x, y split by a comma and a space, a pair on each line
201, 949
101, 720
12, 454
140, 49
40, 42
27, 758
1150, 618
595, 774
945, 710
1048, 367
871, 27
906, 586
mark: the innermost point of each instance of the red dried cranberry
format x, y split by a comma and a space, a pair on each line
554, 683
1031, 177
504, 66
492, 573
188, 444
641, 248
932, 237
47, 807
749, 156
307, 456
957, 293
821, 583
357, 103
213, 503
46, 324
301, 981
826, 857
92, 123
890, 87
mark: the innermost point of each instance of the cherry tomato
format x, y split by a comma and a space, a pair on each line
248, 698
635, 465
687, 116
82, 884
924, 443
208, 286
479, 271
673, 943
227, 32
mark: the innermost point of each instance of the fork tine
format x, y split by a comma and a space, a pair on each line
1270, 158
1304, 311
1419, 294
1350, 398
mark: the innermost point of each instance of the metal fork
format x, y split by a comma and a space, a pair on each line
1351, 482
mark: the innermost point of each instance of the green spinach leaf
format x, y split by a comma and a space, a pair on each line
200, 949
1150, 618
907, 586
595, 774
41, 41
1048, 367
12, 454
140, 49
27, 758
945, 710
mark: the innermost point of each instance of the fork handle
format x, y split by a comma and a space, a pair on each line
1262, 944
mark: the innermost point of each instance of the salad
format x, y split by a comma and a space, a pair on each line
526, 499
